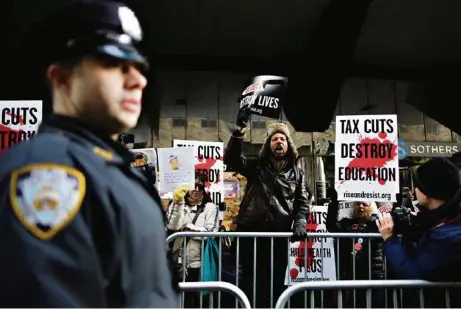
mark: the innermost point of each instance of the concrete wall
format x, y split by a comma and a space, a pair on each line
213, 96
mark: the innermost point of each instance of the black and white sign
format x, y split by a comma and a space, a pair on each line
19, 121
265, 95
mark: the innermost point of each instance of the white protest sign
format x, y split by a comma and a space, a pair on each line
176, 168
19, 121
345, 210
366, 158
319, 253
208, 158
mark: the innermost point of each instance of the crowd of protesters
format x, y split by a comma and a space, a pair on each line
420, 243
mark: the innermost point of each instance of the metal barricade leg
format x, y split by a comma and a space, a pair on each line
217, 286
380, 285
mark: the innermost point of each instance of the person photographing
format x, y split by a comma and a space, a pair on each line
436, 256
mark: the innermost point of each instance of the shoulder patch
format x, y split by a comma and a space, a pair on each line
46, 197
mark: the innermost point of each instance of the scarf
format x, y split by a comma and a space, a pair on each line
194, 202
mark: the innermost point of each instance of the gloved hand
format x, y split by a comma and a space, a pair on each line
179, 193
299, 232
244, 117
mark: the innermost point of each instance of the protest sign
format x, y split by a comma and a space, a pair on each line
176, 168
366, 158
146, 162
345, 210
384, 207
265, 95
231, 189
314, 259
209, 163
149, 157
19, 121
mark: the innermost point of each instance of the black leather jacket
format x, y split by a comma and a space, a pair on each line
273, 200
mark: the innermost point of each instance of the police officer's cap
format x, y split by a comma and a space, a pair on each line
88, 27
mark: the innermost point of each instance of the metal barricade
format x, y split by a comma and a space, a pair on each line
217, 286
251, 245
367, 285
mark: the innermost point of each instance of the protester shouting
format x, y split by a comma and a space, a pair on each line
359, 258
276, 199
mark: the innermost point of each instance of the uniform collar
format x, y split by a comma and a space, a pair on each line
103, 146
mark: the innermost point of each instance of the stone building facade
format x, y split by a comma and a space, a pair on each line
203, 106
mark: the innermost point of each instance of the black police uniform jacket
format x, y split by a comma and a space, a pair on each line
78, 226
273, 200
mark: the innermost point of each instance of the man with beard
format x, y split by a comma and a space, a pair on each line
276, 199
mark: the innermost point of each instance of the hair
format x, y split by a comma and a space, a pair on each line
374, 207
67, 63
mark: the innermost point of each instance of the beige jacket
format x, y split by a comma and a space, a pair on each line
179, 218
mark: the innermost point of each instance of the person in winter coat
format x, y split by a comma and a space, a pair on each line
275, 199
437, 254
192, 210
354, 253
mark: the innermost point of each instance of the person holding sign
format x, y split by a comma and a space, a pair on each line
355, 262
191, 210
276, 200
79, 227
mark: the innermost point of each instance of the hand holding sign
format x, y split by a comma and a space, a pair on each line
180, 193
243, 117
299, 233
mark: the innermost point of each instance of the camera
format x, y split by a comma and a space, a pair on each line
403, 220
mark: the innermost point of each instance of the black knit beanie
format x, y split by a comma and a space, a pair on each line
438, 178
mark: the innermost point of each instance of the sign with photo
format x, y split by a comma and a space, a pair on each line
176, 168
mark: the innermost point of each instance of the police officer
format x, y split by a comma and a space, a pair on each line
78, 227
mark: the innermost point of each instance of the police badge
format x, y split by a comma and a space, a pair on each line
46, 197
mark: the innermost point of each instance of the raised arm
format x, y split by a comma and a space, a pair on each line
233, 156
